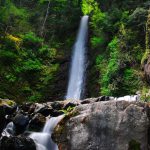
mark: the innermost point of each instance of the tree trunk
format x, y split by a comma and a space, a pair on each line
45, 19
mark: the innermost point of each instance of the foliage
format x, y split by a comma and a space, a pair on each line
68, 110
30, 63
118, 60
87, 7
131, 81
145, 94
33, 66
27, 64
108, 85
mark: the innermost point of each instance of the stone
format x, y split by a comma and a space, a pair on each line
20, 121
32, 108
26, 107
56, 113
70, 104
17, 143
104, 125
8, 105
57, 105
37, 122
45, 111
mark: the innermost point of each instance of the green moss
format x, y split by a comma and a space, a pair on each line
7, 102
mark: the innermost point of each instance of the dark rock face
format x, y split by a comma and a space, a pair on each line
17, 143
57, 105
110, 125
20, 121
2, 118
7, 107
43, 109
26, 106
37, 122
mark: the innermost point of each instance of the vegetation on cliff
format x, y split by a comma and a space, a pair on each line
37, 37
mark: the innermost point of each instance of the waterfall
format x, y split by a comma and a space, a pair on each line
78, 65
43, 139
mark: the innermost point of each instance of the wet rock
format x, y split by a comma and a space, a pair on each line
37, 122
17, 143
104, 98
32, 108
56, 113
104, 125
45, 111
70, 104
20, 121
57, 105
89, 100
26, 107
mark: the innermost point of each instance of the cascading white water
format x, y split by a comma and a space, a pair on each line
43, 139
9, 130
78, 64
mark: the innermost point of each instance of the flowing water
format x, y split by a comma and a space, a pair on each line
78, 65
43, 139
9, 130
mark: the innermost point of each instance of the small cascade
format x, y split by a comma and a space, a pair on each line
78, 64
9, 130
43, 139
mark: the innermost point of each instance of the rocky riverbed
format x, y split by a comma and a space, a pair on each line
102, 123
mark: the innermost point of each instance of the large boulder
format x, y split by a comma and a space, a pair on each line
110, 125
45, 110
37, 122
20, 121
17, 143
9, 106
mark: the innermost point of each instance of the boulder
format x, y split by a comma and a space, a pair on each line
20, 121
56, 113
26, 106
17, 143
45, 110
32, 108
57, 105
8, 105
105, 125
37, 122
70, 104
